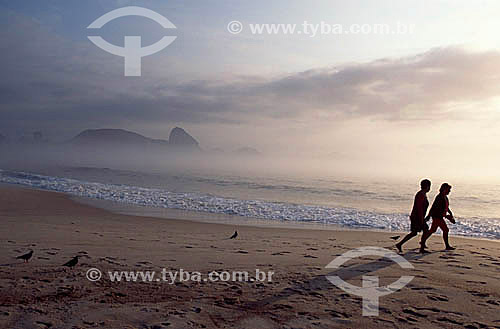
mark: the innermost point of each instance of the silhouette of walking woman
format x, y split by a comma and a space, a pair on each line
439, 210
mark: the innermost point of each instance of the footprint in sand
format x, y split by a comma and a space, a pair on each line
401, 319
145, 263
281, 253
488, 258
43, 324
409, 319
453, 261
478, 282
109, 261
429, 309
282, 307
461, 266
478, 293
338, 314
439, 298
414, 312
448, 320
421, 288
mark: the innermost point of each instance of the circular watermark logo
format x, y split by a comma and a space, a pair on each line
132, 50
370, 290
93, 274
235, 27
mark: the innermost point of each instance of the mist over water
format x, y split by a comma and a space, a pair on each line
247, 185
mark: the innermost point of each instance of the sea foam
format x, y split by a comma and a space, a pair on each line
281, 211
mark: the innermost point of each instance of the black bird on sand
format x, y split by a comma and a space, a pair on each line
395, 237
26, 257
235, 234
72, 262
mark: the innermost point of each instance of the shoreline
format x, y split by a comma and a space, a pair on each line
213, 218
216, 218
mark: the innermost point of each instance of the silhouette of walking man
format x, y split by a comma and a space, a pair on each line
439, 210
417, 216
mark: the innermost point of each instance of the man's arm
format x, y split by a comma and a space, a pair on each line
419, 203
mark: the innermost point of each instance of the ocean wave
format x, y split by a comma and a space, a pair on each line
282, 211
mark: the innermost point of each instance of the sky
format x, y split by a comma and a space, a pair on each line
428, 99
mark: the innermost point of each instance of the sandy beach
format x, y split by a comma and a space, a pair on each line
457, 289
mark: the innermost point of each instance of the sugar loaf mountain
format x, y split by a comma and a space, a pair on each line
179, 140
103, 142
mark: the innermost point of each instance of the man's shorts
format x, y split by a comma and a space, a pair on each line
417, 226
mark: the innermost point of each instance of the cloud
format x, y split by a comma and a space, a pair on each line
58, 84
422, 87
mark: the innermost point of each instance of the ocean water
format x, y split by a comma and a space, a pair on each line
364, 204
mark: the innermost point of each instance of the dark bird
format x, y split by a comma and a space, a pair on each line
26, 257
72, 262
235, 234
395, 237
